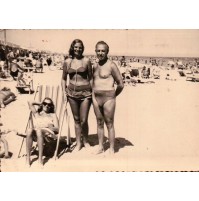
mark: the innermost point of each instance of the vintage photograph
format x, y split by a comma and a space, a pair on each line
87, 100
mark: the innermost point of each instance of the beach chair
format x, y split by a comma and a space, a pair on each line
28, 79
193, 77
55, 93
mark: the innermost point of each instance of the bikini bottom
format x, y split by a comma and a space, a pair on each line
79, 92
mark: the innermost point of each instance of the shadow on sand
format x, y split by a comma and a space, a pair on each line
49, 148
119, 142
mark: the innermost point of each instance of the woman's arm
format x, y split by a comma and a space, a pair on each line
64, 76
117, 78
55, 126
64, 79
90, 72
32, 106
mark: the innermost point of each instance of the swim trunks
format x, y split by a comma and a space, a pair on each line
102, 96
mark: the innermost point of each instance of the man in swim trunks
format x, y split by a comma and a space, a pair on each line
105, 75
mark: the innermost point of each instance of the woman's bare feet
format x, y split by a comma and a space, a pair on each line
6, 156
40, 164
77, 148
28, 162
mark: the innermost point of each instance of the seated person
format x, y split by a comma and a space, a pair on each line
6, 96
17, 72
145, 72
46, 127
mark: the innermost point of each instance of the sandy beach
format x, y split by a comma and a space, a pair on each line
156, 129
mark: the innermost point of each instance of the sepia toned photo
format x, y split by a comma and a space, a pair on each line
99, 100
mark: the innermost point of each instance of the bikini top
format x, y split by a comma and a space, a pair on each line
82, 71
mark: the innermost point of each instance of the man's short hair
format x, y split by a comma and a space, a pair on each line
102, 43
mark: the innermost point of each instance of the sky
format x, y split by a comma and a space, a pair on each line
137, 42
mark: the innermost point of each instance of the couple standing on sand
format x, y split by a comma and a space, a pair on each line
87, 84
92, 84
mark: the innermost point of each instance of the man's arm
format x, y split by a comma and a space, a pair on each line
32, 106
90, 72
117, 78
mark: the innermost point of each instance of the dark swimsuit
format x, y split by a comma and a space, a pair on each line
102, 96
78, 92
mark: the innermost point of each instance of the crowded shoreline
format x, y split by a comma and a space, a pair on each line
171, 80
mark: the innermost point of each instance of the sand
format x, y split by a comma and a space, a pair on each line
156, 130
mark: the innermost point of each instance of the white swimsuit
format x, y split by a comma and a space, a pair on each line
43, 120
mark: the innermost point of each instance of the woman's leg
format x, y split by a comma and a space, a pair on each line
109, 111
29, 142
75, 108
100, 124
84, 111
40, 142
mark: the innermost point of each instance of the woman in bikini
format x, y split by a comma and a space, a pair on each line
105, 75
46, 127
78, 92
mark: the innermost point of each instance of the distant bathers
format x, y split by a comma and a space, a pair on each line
102, 96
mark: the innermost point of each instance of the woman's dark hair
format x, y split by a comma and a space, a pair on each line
71, 50
102, 43
52, 107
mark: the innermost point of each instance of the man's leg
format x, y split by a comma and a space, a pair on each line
109, 111
100, 125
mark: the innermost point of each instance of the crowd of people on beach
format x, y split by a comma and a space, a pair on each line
136, 70
95, 80
13, 60
89, 83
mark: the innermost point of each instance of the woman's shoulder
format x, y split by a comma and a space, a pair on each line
66, 63
68, 60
